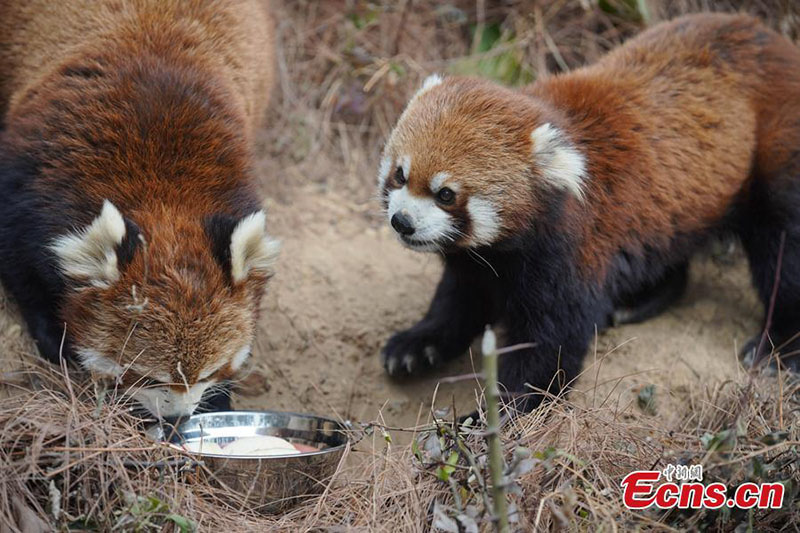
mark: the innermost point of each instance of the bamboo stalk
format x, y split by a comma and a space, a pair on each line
496, 468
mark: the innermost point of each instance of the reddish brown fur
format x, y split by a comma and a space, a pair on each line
151, 104
721, 109
588, 192
730, 108
483, 140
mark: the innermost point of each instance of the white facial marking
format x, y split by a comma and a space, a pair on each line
485, 221
438, 181
405, 164
384, 170
240, 358
433, 226
251, 247
561, 163
203, 374
90, 254
165, 402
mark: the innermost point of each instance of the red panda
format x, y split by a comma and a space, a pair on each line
131, 234
579, 199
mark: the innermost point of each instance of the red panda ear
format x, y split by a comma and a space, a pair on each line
430, 82
90, 255
251, 249
561, 164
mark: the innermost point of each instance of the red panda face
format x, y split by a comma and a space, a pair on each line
167, 305
468, 165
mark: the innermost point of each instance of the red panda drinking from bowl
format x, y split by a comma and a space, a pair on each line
576, 202
131, 234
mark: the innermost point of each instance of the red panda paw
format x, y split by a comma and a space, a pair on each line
767, 351
408, 353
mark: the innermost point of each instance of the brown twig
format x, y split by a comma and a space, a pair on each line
773, 297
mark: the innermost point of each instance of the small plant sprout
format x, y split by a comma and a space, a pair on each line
496, 468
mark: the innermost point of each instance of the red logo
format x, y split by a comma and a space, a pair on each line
640, 491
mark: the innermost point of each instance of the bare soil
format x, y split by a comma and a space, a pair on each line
344, 285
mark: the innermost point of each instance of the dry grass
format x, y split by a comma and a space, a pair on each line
347, 67
69, 460
73, 458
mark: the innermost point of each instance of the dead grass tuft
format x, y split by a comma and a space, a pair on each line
73, 458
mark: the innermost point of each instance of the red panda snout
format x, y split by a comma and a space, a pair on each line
167, 320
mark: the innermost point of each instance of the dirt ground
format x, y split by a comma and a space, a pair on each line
344, 285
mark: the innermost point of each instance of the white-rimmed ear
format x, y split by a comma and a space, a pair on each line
96, 363
430, 82
562, 165
89, 255
251, 248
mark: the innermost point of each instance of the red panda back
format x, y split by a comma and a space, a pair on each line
673, 120
232, 38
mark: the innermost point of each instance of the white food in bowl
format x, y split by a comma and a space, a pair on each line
205, 446
261, 446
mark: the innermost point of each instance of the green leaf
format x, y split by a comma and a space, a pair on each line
415, 450
183, 523
627, 9
488, 38
549, 452
775, 437
444, 472
646, 400
155, 505
724, 441
758, 468
453, 459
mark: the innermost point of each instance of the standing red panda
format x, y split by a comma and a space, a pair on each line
130, 227
587, 192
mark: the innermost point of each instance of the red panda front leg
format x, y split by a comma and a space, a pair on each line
770, 233
461, 308
558, 316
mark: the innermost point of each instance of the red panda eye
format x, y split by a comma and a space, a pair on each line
399, 177
445, 195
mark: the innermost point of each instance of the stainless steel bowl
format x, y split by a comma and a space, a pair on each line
272, 483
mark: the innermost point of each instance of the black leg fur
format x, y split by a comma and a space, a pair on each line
549, 307
461, 307
27, 270
773, 214
653, 299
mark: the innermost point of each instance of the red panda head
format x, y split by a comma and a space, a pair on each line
469, 164
163, 302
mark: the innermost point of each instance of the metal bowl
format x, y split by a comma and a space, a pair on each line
272, 483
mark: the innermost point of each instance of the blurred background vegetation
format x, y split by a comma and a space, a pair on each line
354, 63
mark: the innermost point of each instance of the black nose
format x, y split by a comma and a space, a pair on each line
402, 224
